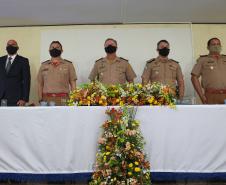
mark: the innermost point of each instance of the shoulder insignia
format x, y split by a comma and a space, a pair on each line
67, 60
203, 55
99, 59
124, 59
174, 61
46, 62
224, 55
151, 60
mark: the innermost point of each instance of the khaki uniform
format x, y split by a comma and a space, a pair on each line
213, 73
118, 71
56, 79
165, 71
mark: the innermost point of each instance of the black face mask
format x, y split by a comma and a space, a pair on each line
55, 52
11, 49
164, 52
110, 49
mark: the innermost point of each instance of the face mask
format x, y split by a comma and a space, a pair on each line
55, 52
110, 49
215, 49
11, 49
164, 52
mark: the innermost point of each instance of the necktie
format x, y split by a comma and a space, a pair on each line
8, 66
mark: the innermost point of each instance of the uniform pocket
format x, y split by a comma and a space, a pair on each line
209, 66
101, 72
45, 72
173, 70
155, 72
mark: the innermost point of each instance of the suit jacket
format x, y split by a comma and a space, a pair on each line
15, 85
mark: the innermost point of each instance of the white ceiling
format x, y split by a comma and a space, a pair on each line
58, 12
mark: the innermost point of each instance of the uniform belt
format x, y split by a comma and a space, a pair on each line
215, 91
55, 94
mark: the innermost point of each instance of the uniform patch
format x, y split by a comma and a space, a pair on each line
46, 61
124, 59
174, 61
67, 61
149, 61
99, 59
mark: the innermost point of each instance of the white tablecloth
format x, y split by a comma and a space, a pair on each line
48, 140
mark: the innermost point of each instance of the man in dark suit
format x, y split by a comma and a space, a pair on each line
14, 76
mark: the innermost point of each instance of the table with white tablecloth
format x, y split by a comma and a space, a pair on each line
60, 143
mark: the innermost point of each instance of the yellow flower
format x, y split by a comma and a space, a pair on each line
136, 163
172, 105
103, 97
88, 97
108, 148
108, 153
134, 98
137, 169
140, 86
129, 173
131, 165
150, 100
121, 103
100, 102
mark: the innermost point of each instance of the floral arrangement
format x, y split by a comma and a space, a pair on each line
120, 159
96, 93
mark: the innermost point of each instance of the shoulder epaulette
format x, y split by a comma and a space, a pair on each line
67, 60
203, 55
45, 62
151, 60
124, 59
174, 61
224, 55
99, 59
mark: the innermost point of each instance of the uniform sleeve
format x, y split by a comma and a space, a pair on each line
40, 77
146, 74
72, 73
197, 68
130, 74
179, 74
94, 73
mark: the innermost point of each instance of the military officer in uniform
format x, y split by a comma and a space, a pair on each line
56, 77
112, 69
212, 69
164, 70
